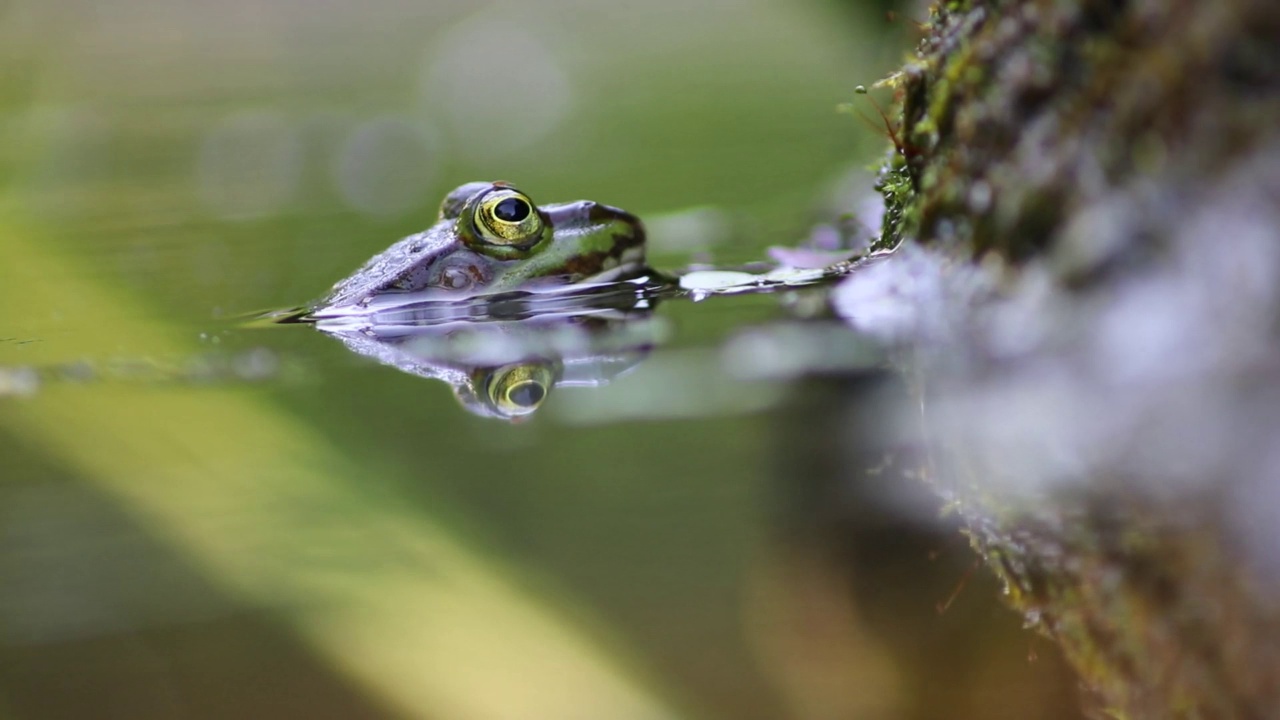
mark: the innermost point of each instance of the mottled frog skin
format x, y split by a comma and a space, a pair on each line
492, 238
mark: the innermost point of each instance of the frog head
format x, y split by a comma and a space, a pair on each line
491, 237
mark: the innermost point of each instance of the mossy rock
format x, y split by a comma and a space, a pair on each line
1081, 157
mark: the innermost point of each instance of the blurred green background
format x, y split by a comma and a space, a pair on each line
337, 539
246, 154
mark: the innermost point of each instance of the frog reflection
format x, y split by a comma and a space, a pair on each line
507, 369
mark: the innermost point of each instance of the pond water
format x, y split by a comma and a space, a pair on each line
203, 515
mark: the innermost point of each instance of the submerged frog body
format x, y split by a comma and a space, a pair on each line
493, 238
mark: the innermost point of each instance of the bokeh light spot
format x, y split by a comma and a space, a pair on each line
249, 165
498, 86
386, 166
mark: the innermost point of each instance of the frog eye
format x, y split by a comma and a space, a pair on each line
507, 218
518, 390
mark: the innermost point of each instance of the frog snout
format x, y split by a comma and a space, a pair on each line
585, 213
570, 213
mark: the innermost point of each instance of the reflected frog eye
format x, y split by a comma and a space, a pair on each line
506, 220
517, 390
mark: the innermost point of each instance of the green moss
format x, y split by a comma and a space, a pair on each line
1091, 80
896, 186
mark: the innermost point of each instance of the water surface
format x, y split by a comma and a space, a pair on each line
203, 517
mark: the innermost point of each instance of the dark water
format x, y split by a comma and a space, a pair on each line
203, 517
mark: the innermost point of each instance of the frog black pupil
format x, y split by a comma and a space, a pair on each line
511, 210
526, 394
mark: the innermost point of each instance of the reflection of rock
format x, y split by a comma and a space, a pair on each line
865, 604
506, 368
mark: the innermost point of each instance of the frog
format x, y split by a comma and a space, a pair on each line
490, 237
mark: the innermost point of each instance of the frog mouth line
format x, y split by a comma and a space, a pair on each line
626, 269
603, 292
630, 261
